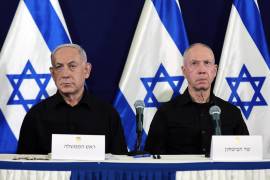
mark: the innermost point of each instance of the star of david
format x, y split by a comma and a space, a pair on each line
161, 75
255, 82
16, 97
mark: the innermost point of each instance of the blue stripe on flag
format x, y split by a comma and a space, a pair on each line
9, 146
171, 18
128, 121
47, 22
250, 16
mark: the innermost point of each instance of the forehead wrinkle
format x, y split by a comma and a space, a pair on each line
203, 60
68, 58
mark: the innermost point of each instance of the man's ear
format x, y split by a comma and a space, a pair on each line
216, 69
88, 69
52, 72
183, 70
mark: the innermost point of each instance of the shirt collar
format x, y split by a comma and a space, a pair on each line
186, 98
85, 100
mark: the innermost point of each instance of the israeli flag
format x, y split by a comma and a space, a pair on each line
37, 28
153, 69
244, 71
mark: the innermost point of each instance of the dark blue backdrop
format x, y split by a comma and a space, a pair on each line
105, 29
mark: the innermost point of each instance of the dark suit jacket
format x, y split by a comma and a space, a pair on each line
182, 126
54, 116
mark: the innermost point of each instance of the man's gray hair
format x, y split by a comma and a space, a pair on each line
76, 46
196, 44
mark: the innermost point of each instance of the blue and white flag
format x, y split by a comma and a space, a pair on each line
37, 28
244, 71
153, 69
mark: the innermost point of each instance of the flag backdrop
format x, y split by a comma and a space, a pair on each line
153, 69
243, 75
37, 28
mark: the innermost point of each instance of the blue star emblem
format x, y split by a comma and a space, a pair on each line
161, 75
16, 97
255, 82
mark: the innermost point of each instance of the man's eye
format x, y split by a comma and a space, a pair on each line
72, 66
58, 67
208, 63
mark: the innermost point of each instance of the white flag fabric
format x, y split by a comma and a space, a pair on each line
37, 28
244, 71
153, 69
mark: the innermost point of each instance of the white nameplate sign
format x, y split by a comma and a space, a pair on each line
236, 148
78, 147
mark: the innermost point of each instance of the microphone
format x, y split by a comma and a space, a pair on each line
215, 112
139, 106
137, 152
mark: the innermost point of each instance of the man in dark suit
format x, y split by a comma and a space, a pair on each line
184, 125
71, 110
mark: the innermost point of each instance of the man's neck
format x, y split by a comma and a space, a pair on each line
201, 96
72, 99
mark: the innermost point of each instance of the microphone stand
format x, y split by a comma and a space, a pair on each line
215, 111
139, 140
217, 127
217, 132
137, 150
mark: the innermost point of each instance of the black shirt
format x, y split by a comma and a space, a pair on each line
182, 126
55, 116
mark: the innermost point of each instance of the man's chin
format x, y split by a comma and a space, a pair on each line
66, 90
202, 88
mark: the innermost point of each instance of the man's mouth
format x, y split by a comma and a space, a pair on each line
200, 80
66, 83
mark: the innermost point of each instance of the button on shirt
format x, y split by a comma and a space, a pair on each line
55, 116
182, 126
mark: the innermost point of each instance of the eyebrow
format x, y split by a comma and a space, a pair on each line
72, 61
209, 60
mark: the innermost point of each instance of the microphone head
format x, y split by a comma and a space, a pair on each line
215, 111
139, 106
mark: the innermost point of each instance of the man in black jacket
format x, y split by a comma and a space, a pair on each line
72, 110
184, 125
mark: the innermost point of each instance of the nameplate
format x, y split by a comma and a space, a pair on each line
78, 147
236, 148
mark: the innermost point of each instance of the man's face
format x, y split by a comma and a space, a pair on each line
69, 70
199, 68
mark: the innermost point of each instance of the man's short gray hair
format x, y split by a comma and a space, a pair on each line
197, 44
76, 46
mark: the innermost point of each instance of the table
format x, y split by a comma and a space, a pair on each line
123, 167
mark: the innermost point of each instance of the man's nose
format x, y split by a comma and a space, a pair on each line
66, 71
202, 68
